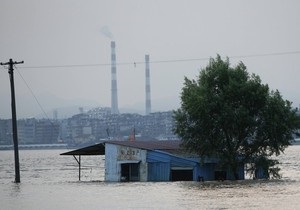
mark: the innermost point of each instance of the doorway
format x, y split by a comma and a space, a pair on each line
182, 175
220, 175
130, 172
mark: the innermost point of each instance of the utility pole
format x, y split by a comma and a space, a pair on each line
11, 64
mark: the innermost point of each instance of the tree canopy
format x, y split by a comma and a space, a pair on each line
229, 114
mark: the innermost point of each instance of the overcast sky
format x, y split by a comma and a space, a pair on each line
76, 32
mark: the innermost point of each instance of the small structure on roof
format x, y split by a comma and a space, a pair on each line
154, 161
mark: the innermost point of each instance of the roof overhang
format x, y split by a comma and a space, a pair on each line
97, 149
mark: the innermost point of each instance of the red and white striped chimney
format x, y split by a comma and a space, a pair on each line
114, 92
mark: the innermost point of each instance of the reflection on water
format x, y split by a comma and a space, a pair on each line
50, 181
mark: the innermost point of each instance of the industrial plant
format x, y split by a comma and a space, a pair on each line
96, 124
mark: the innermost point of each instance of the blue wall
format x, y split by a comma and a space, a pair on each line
158, 171
160, 164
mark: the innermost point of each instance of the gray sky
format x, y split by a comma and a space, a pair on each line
75, 32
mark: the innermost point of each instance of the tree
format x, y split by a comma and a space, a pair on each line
229, 114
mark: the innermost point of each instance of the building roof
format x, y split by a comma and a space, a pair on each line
99, 149
150, 145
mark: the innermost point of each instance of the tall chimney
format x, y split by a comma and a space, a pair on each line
114, 93
147, 87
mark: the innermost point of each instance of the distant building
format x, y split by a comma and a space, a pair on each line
5, 132
80, 129
46, 131
27, 131
98, 124
30, 131
90, 127
99, 113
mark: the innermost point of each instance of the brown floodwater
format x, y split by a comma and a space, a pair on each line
50, 181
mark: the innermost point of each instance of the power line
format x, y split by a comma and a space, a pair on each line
158, 61
37, 101
32, 93
266, 54
66, 66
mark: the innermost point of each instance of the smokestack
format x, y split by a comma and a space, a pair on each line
55, 114
148, 96
114, 93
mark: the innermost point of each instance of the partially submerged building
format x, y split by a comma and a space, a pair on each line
154, 161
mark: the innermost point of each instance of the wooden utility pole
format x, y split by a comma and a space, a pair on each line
11, 64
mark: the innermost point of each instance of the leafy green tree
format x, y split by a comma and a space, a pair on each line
229, 114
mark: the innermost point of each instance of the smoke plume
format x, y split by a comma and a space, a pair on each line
106, 32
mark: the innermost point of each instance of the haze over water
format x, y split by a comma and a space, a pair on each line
50, 181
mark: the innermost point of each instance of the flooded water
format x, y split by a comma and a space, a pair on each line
50, 181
